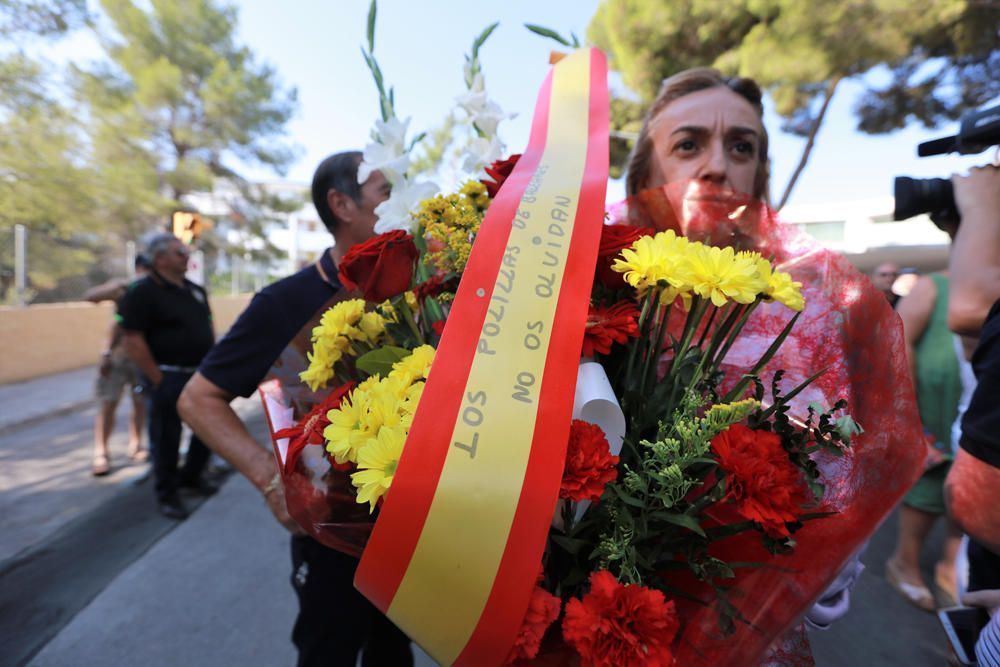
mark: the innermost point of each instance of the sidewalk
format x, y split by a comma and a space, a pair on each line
30, 401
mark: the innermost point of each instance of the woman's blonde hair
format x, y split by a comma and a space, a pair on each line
681, 84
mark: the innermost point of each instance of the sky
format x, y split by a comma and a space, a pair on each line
315, 46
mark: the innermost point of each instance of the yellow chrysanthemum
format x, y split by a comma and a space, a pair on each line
720, 274
786, 291
346, 433
320, 370
387, 311
377, 463
372, 325
414, 367
656, 262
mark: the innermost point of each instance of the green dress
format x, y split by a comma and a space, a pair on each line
939, 388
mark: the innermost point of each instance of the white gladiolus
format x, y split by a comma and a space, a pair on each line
387, 153
481, 153
395, 212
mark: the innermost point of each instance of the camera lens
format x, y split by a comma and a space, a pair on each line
923, 195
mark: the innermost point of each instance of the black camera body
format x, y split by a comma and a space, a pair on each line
978, 131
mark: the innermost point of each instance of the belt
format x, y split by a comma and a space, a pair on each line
168, 368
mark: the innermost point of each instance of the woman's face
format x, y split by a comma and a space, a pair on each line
710, 136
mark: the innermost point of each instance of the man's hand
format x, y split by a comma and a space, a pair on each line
978, 192
275, 497
974, 264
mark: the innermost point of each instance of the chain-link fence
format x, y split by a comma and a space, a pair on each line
38, 267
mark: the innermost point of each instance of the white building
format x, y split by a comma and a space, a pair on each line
864, 231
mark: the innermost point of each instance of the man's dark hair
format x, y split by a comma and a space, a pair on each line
338, 172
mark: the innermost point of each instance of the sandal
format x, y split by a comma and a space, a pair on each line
916, 594
101, 466
139, 456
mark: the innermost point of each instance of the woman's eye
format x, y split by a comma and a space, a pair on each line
744, 148
686, 146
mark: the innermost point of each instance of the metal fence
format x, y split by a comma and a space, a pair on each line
37, 267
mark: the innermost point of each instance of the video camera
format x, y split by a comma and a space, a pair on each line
978, 131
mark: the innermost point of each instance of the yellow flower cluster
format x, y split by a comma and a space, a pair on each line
451, 223
677, 267
334, 336
371, 424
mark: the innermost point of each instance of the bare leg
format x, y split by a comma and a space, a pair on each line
914, 526
104, 424
136, 424
944, 571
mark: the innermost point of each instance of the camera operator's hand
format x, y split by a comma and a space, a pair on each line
974, 266
977, 195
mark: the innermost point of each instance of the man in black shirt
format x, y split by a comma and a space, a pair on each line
167, 329
335, 621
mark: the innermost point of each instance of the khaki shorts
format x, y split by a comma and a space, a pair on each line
121, 373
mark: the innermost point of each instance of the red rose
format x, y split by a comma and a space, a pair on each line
609, 325
543, 609
620, 626
309, 431
761, 480
614, 239
589, 463
381, 267
499, 171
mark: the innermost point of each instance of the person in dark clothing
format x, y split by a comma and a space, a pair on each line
972, 489
167, 327
335, 622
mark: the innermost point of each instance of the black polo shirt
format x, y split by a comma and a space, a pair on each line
981, 423
241, 360
175, 320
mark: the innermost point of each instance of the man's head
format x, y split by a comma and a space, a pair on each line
705, 127
345, 207
142, 264
884, 276
169, 257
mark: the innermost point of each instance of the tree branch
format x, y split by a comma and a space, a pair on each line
810, 141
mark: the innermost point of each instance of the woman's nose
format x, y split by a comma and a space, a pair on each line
713, 169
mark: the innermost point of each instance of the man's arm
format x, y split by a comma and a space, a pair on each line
109, 291
974, 265
138, 351
205, 408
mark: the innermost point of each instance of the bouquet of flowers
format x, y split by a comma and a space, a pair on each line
705, 504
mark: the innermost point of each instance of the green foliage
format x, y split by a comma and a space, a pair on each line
380, 360
195, 99
41, 18
941, 53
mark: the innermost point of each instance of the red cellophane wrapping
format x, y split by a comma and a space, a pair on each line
847, 328
319, 496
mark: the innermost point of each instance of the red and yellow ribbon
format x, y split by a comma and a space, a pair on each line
458, 544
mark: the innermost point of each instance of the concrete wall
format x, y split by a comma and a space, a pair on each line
52, 338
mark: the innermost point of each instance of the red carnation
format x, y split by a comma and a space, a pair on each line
589, 463
609, 325
309, 431
434, 286
543, 609
614, 239
499, 171
761, 480
621, 626
381, 267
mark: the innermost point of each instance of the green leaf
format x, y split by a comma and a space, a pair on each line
380, 360
483, 36
682, 520
547, 32
626, 498
371, 27
416, 140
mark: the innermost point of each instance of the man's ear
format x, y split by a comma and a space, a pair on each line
341, 205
